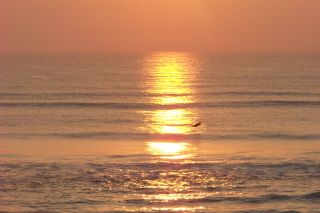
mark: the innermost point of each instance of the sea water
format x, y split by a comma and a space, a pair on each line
112, 132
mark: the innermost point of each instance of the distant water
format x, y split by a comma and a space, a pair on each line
112, 132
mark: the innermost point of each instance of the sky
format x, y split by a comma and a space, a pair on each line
41, 26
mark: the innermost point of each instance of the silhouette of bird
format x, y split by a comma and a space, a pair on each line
197, 124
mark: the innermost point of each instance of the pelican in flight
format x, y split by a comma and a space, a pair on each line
197, 124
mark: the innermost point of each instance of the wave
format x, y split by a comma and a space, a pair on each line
272, 94
240, 200
68, 94
143, 136
288, 137
74, 104
128, 105
147, 94
262, 136
140, 181
263, 104
312, 196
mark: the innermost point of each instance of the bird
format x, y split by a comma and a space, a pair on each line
197, 124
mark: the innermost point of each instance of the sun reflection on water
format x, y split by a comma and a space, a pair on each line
172, 209
170, 87
174, 197
169, 83
168, 150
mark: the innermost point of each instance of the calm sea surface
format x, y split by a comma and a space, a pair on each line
113, 132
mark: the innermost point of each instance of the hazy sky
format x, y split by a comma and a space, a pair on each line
159, 25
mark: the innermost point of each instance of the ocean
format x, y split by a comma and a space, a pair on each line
113, 132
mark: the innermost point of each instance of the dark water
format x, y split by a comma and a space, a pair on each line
112, 132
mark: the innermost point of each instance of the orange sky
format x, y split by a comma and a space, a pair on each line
159, 25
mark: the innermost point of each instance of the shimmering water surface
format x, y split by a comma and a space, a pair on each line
113, 132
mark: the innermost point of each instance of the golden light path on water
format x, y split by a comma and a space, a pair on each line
167, 150
170, 83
